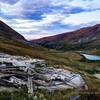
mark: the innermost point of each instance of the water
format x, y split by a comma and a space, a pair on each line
91, 57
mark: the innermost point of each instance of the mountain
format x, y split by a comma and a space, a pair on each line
84, 38
12, 42
9, 33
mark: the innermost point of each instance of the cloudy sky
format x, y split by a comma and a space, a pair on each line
40, 18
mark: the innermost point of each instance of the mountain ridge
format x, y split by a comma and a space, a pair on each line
24, 48
90, 35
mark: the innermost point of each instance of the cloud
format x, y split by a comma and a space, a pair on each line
38, 18
86, 4
11, 10
33, 25
9, 1
35, 36
21, 8
82, 18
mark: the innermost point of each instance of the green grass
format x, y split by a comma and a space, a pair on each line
70, 59
38, 95
17, 48
46, 95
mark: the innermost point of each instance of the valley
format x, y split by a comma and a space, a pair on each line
72, 70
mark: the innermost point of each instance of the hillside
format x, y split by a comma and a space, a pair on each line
12, 42
17, 47
8, 33
84, 38
70, 60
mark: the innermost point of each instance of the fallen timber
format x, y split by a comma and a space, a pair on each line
39, 78
30, 72
5, 83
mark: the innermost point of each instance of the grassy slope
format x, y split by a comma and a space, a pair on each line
71, 59
18, 48
65, 46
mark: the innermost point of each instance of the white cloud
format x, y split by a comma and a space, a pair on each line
45, 21
34, 36
9, 1
8, 9
86, 4
22, 7
31, 28
82, 18
29, 25
51, 18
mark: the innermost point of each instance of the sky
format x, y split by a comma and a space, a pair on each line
40, 18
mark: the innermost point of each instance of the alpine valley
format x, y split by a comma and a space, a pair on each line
60, 67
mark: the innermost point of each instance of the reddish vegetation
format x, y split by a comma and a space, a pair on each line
88, 32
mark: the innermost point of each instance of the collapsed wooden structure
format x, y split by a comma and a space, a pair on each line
36, 72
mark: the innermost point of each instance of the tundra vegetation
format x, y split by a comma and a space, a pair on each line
84, 67
69, 59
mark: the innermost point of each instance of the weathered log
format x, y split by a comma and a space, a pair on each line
41, 76
40, 83
5, 83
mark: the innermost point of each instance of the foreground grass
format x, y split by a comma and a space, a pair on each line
45, 95
39, 95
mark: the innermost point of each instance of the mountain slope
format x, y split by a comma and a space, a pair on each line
85, 38
12, 42
9, 33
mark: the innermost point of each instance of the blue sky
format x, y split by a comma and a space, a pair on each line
40, 18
